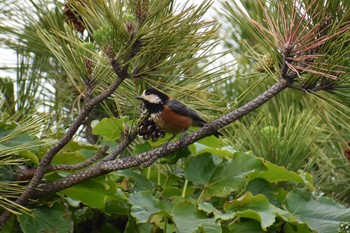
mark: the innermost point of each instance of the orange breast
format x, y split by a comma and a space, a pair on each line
172, 122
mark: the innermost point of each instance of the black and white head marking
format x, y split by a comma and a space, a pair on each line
153, 96
154, 100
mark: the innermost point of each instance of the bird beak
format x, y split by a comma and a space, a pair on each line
139, 97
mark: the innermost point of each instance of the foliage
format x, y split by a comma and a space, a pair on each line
299, 130
219, 190
273, 170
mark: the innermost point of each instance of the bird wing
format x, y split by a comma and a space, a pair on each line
182, 109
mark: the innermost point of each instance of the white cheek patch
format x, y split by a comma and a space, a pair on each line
154, 99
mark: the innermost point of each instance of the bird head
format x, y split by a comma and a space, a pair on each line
153, 96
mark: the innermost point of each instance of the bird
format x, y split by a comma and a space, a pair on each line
169, 114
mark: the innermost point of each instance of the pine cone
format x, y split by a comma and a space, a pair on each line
148, 129
73, 16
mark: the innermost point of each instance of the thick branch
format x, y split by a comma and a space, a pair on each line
147, 158
87, 173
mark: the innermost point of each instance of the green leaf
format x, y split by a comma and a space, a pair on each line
87, 153
243, 227
109, 128
133, 227
99, 193
45, 219
211, 145
144, 205
138, 181
29, 155
189, 219
297, 228
223, 178
68, 158
142, 147
9, 226
211, 141
319, 213
184, 213
256, 207
273, 192
275, 174
209, 208
175, 156
16, 140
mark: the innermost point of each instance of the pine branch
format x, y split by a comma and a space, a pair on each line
45, 162
86, 174
147, 158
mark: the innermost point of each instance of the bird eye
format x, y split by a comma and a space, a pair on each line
147, 92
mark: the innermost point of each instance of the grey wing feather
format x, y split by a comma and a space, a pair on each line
182, 109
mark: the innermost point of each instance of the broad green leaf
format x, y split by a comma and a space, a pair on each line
221, 179
211, 141
144, 205
189, 219
142, 147
173, 191
275, 174
250, 207
99, 193
87, 152
133, 227
175, 156
15, 140
109, 128
319, 213
83, 148
296, 228
211, 145
54, 219
137, 181
68, 158
199, 169
183, 212
29, 155
9, 225
256, 207
209, 208
273, 192
243, 227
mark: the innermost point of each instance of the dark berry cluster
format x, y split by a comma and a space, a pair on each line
148, 129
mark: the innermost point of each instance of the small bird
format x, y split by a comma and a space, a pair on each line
169, 114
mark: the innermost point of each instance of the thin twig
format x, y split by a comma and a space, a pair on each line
123, 144
78, 166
